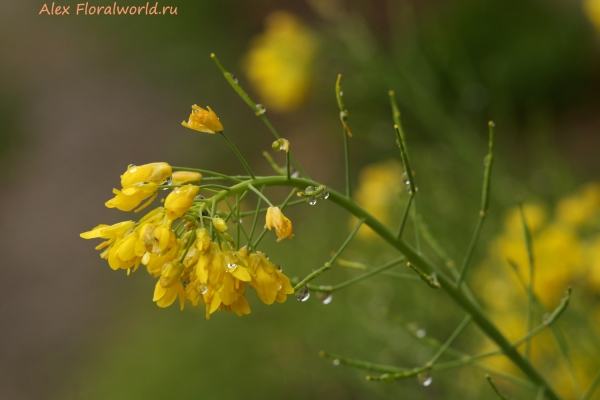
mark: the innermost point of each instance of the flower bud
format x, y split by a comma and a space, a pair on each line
180, 200
154, 172
281, 144
181, 177
203, 121
219, 224
202, 240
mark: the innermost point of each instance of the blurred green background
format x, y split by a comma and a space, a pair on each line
82, 97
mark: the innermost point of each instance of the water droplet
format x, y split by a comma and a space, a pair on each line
132, 170
312, 201
295, 174
168, 181
421, 333
341, 92
405, 179
176, 191
231, 267
233, 78
260, 109
336, 362
199, 197
424, 378
146, 258
309, 189
130, 165
303, 293
202, 288
325, 297
486, 160
278, 267
324, 194
185, 283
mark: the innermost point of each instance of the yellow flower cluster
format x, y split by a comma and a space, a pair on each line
188, 263
279, 62
566, 250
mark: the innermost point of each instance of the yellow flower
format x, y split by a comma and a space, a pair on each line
219, 224
282, 225
165, 296
130, 197
279, 61
155, 172
270, 283
203, 121
180, 200
126, 252
582, 208
181, 177
110, 232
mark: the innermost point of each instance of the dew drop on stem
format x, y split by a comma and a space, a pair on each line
303, 293
336, 362
325, 297
424, 378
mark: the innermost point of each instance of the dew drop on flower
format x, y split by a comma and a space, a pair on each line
424, 378
146, 258
168, 181
202, 288
130, 166
278, 267
303, 293
312, 201
231, 267
260, 109
336, 362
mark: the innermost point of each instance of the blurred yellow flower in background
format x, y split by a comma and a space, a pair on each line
279, 61
592, 10
566, 250
379, 187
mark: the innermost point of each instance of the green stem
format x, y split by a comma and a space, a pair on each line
447, 284
238, 154
259, 194
357, 279
405, 216
530, 295
260, 113
485, 196
451, 339
495, 389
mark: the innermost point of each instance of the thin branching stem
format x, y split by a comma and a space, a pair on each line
205, 171
375, 271
405, 216
238, 154
345, 131
458, 296
260, 112
530, 294
451, 339
495, 389
485, 195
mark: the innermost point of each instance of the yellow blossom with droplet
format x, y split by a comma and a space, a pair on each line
270, 283
203, 121
181, 177
180, 200
276, 219
110, 232
157, 173
279, 62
